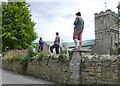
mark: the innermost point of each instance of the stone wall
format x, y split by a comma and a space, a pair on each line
103, 69
88, 69
15, 66
52, 70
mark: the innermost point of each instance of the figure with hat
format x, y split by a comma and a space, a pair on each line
78, 29
56, 45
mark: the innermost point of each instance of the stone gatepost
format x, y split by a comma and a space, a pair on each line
75, 68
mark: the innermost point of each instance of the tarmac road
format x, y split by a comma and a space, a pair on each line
9, 77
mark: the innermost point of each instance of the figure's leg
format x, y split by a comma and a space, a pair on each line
80, 40
57, 49
52, 47
76, 45
42, 49
75, 38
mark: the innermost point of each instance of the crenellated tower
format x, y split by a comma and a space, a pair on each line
106, 32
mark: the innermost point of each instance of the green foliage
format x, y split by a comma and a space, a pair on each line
63, 59
118, 51
17, 26
24, 62
10, 60
22, 58
41, 56
18, 57
61, 56
35, 45
31, 53
15, 53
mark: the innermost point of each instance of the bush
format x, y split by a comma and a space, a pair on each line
22, 58
24, 62
18, 56
31, 53
63, 53
41, 56
10, 59
14, 53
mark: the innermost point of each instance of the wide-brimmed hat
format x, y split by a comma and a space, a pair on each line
78, 13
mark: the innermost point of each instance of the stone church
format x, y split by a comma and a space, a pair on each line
106, 33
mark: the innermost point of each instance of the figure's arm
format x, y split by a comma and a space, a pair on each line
58, 41
82, 23
76, 20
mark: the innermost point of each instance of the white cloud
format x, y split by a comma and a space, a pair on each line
52, 16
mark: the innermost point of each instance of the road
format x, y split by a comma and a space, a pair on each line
9, 77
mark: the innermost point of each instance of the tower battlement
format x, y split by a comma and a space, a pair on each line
108, 11
106, 32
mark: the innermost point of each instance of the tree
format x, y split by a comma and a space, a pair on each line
17, 26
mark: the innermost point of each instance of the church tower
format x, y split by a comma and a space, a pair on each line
106, 32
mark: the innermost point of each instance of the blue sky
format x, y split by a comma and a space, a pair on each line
53, 16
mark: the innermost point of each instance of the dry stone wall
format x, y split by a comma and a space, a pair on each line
100, 69
88, 69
